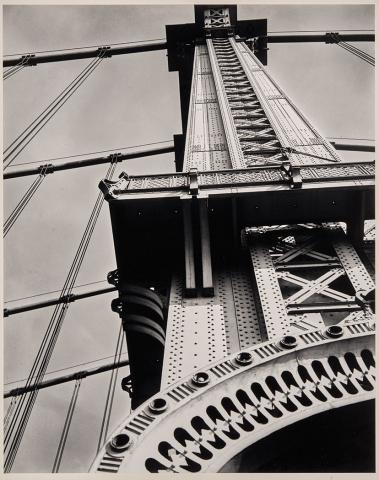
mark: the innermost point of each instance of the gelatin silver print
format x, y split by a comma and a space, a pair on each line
189, 238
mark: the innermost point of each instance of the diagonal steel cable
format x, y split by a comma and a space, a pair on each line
19, 420
19, 144
10, 221
66, 427
110, 393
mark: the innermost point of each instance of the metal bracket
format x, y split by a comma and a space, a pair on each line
28, 60
110, 187
366, 298
293, 173
107, 51
81, 375
46, 169
113, 277
70, 298
116, 305
126, 385
332, 37
193, 181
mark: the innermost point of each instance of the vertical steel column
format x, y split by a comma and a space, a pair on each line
189, 255
205, 147
206, 259
356, 220
276, 321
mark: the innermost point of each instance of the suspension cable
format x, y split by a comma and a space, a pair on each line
25, 403
110, 394
9, 412
358, 53
10, 221
66, 426
119, 149
24, 138
51, 105
53, 291
13, 70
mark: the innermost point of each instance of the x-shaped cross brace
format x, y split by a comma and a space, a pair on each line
311, 287
304, 249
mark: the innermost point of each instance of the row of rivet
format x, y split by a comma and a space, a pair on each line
157, 406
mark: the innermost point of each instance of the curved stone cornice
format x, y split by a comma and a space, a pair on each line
200, 422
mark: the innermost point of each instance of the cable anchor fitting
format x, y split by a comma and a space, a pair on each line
332, 37
104, 51
45, 169
27, 60
113, 278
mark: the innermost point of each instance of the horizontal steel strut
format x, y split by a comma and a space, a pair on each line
88, 162
65, 378
77, 55
55, 301
153, 46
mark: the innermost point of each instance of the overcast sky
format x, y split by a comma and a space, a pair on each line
129, 100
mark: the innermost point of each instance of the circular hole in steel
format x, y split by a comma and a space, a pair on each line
200, 379
334, 331
288, 341
120, 442
158, 405
244, 358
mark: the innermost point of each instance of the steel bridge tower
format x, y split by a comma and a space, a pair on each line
247, 306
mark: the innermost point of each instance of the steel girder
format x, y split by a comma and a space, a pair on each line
260, 332
200, 422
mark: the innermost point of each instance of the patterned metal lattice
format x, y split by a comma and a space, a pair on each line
308, 279
260, 121
359, 173
250, 409
257, 142
292, 128
206, 147
201, 426
216, 18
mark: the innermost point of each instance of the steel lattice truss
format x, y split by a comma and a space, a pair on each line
270, 303
316, 275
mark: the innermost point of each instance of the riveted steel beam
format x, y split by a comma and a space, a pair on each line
228, 405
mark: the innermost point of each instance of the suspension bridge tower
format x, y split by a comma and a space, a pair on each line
248, 307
